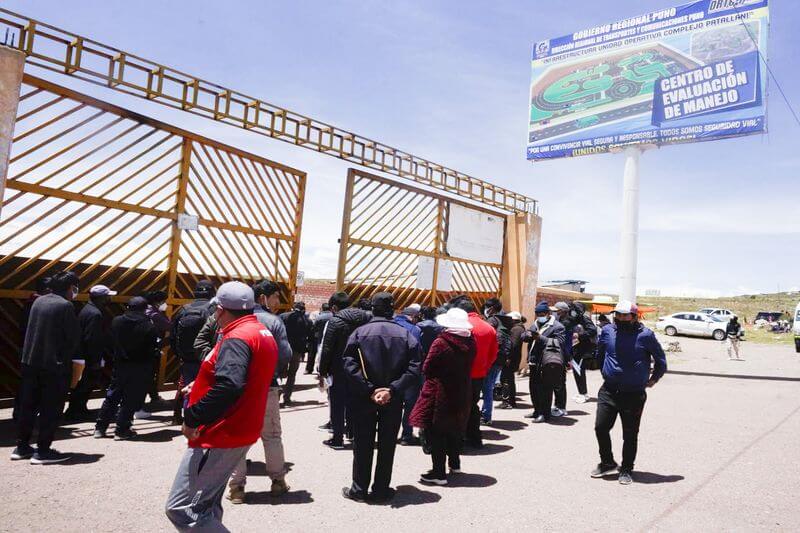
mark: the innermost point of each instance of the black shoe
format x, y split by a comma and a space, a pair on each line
287, 402
410, 441
23, 452
47, 457
604, 470
334, 444
124, 434
326, 427
383, 496
350, 494
625, 477
432, 479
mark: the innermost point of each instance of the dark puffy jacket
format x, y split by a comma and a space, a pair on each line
628, 354
444, 402
548, 346
135, 338
516, 333
95, 336
381, 354
334, 340
299, 329
502, 325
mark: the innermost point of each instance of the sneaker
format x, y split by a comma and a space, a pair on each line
287, 402
141, 414
581, 398
334, 444
99, 433
326, 427
532, 414
432, 479
236, 495
279, 487
485, 422
455, 470
625, 477
604, 470
555, 411
124, 434
504, 405
22, 452
350, 494
538, 420
47, 457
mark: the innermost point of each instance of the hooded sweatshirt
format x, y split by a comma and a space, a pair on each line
135, 337
334, 338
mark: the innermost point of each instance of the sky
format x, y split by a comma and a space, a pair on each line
449, 81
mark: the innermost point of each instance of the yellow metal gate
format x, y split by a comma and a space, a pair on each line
391, 232
99, 190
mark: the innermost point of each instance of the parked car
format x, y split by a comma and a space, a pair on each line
697, 324
796, 329
727, 314
769, 316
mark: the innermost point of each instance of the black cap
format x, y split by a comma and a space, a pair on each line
204, 286
383, 300
137, 303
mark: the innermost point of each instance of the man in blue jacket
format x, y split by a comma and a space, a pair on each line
629, 348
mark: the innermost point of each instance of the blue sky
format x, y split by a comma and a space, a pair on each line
449, 81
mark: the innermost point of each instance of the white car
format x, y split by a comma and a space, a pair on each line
796, 329
727, 314
698, 324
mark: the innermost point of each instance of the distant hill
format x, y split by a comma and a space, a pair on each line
745, 307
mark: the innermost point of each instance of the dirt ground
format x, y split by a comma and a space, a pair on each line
717, 452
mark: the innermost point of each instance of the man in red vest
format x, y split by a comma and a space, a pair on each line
225, 412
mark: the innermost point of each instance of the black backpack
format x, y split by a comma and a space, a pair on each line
189, 324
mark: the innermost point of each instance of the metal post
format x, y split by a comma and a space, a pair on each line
11, 64
630, 224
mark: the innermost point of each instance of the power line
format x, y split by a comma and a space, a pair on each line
769, 69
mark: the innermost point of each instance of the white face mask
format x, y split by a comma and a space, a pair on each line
163, 307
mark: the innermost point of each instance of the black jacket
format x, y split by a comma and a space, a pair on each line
381, 354
502, 325
53, 335
551, 337
135, 338
338, 330
95, 336
515, 357
299, 330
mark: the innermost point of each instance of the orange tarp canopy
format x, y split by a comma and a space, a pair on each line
605, 308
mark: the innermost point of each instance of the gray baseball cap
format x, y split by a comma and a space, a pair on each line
235, 295
561, 306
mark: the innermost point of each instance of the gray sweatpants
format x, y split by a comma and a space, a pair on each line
195, 501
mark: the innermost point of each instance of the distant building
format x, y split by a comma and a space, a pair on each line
574, 285
652, 292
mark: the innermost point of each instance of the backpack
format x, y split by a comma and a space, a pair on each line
188, 326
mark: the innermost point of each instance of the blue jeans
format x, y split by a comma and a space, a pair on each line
488, 391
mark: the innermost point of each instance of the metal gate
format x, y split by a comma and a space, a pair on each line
103, 191
389, 230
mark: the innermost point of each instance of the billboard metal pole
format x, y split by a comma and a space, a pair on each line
629, 248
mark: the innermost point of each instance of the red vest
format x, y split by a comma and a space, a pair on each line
241, 425
485, 345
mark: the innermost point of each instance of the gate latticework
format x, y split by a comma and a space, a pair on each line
99, 190
390, 229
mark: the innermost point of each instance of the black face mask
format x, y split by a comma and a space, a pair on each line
625, 326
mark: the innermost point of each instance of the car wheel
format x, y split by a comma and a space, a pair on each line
671, 331
719, 335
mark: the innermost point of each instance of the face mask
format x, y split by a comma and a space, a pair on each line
624, 325
486, 313
163, 307
542, 320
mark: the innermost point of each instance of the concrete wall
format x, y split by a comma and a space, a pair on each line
11, 63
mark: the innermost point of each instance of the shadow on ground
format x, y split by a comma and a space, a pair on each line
509, 425
264, 497
470, 480
492, 434
259, 468
161, 435
411, 495
488, 448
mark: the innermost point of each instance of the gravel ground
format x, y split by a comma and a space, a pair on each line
717, 452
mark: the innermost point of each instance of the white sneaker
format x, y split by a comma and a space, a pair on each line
555, 411
141, 414
581, 398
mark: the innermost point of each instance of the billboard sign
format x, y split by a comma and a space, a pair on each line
683, 74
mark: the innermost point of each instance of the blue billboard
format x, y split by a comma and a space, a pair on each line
682, 74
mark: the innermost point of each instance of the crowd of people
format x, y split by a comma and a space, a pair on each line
418, 376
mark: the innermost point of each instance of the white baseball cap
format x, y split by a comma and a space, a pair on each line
101, 290
624, 307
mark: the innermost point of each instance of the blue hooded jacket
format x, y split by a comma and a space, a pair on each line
628, 354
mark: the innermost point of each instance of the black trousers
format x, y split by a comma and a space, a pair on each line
629, 407
444, 445
312, 359
580, 379
127, 391
80, 394
473, 433
508, 380
152, 387
337, 396
560, 389
369, 419
41, 392
291, 374
544, 382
